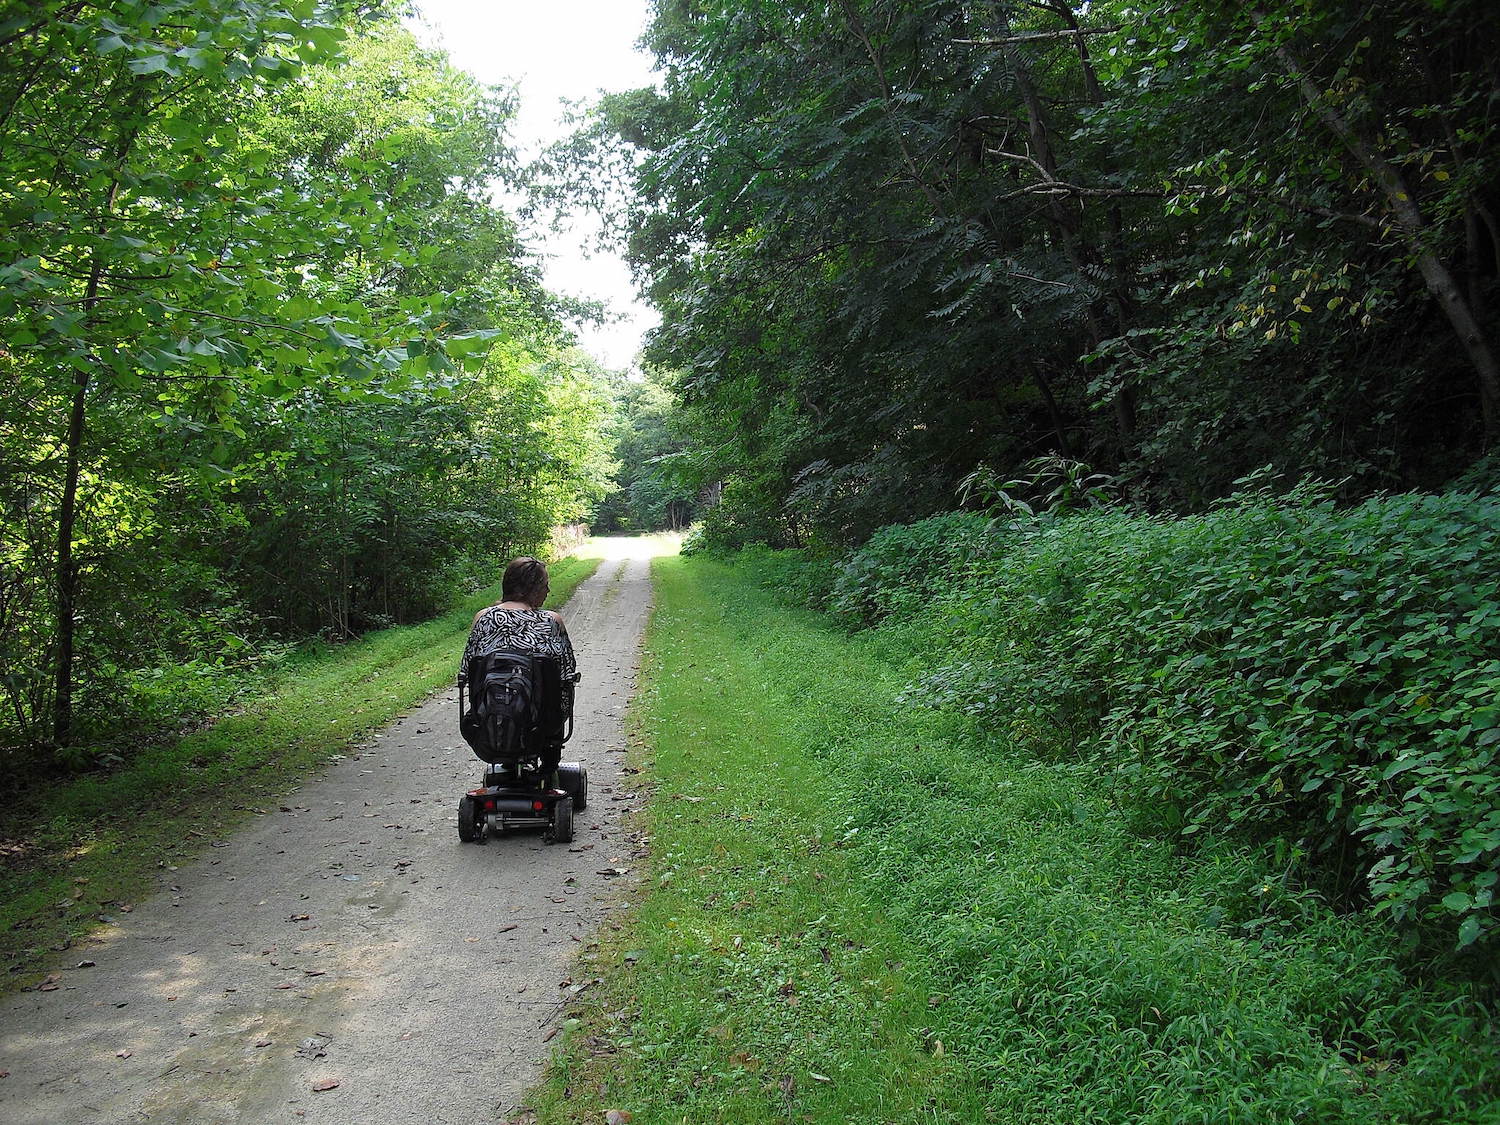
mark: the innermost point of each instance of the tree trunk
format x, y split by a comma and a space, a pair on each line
887, 97
1064, 445
67, 569
1125, 397
67, 516
1068, 225
1414, 228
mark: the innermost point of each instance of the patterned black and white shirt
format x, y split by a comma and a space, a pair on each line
533, 631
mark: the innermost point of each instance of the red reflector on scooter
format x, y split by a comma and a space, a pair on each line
489, 805
538, 805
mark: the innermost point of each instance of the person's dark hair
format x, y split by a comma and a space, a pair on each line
524, 578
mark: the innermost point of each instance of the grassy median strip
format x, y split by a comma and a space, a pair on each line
85, 847
858, 909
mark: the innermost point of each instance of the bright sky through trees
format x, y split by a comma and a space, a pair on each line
567, 49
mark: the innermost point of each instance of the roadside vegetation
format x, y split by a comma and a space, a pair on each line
275, 365
893, 243
90, 846
875, 894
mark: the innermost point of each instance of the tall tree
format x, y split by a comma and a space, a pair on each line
250, 287
893, 240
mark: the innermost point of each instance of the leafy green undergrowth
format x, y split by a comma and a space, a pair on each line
79, 848
1325, 679
860, 910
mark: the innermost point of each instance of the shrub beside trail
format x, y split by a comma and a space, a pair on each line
1324, 681
858, 909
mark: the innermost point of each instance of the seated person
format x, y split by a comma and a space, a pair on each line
518, 623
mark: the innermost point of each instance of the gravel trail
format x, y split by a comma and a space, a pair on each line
348, 937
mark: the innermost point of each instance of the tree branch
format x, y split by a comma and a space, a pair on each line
1036, 36
887, 97
1052, 187
241, 320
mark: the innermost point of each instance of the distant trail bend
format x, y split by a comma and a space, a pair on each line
349, 937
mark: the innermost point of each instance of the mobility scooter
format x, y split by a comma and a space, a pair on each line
515, 711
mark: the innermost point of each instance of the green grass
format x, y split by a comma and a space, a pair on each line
89, 844
839, 882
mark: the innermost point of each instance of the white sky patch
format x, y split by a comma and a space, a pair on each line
562, 49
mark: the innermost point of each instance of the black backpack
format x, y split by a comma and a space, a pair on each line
511, 700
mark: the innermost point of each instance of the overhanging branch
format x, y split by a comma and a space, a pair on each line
1037, 36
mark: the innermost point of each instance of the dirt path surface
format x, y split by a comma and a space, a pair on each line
349, 937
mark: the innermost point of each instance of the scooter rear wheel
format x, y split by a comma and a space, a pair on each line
562, 821
573, 778
470, 828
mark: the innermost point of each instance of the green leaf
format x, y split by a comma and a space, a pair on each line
152, 64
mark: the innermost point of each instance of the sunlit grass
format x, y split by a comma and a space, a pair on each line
93, 842
756, 982
860, 910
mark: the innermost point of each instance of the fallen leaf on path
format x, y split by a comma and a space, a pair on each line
123, 1054
283, 986
325, 1084
816, 1077
313, 1047
262, 1042
314, 972
85, 964
50, 984
617, 1117
300, 918
507, 928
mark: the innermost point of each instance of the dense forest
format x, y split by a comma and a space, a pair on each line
1195, 306
275, 365
897, 242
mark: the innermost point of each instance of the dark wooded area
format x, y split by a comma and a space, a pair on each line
1178, 242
